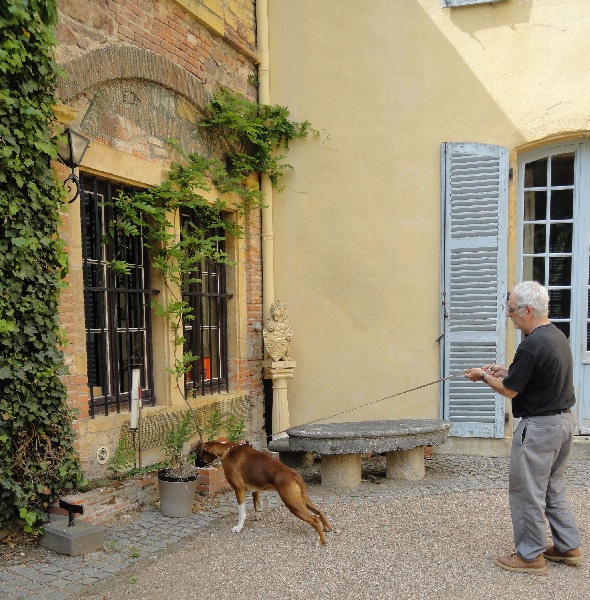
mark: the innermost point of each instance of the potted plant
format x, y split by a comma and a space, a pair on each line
178, 481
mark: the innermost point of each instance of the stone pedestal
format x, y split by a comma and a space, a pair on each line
279, 372
341, 470
78, 540
405, 464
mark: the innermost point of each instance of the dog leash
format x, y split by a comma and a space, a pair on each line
373, 402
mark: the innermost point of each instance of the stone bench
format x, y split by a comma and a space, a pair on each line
341, 446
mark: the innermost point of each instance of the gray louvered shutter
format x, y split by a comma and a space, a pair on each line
475, 223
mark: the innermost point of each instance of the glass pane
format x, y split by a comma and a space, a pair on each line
131, 280
205, 287
560, 304
535, 173
93, 275
215, 365
137, 279
209, 312
205, 342
533, 269
134, 251
123, 311
562, 169
560, 270
138, 350
90, 229
123, 357
214, 283
94, 309
534, 239
97, 365
122, 281
562, 205
535, 206
560, 237
131, 352
205, 364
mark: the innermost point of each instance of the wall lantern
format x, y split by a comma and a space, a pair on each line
71, 151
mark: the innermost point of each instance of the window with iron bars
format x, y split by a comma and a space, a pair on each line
205, 332
117, 306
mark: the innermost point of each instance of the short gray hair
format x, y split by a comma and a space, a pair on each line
533, 294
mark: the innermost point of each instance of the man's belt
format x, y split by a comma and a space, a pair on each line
554, 412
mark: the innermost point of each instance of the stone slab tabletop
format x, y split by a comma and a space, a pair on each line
368, 436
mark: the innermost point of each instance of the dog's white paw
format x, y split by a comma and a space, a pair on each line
236, 529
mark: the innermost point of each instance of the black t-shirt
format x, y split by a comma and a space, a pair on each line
542, 373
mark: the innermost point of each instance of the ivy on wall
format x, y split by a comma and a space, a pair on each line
37, 458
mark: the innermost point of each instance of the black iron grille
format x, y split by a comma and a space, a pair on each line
117, 305
205, 332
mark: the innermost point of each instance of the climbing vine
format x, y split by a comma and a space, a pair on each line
252, 133
248, 135
37, 458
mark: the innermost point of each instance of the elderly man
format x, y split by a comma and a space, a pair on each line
540, 383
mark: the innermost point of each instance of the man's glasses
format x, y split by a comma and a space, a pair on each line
511, 309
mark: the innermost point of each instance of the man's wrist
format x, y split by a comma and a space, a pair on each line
483, 377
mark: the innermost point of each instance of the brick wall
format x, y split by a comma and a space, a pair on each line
119, 497
138, 73
168, 29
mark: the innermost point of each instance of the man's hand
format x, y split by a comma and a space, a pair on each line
474, 374
496, 371
494, 374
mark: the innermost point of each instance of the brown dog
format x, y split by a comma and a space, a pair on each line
249, 470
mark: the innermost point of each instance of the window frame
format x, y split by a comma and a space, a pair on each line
206, 294
548, 222
104, 300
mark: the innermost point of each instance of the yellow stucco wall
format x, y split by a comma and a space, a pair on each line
357, 229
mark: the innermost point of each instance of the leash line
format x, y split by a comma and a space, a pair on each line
373, 402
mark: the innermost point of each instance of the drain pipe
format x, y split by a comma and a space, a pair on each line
278, 371
267, 234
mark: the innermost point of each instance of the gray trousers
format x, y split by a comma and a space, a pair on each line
540, 449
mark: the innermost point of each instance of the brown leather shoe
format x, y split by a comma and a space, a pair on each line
570, 557
514, 563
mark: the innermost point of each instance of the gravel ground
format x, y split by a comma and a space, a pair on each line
424, 544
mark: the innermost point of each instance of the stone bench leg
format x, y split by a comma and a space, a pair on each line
405, 464
341, 470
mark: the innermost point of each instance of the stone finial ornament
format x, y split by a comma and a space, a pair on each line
277, 333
